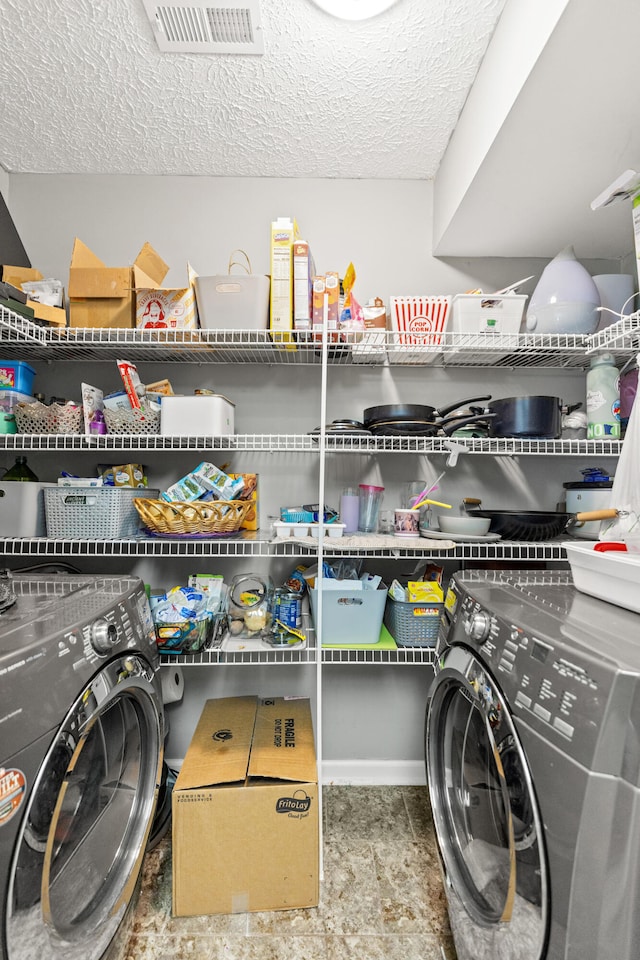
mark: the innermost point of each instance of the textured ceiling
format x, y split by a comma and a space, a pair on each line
86, 90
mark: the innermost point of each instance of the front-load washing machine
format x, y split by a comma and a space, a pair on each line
533, 764
81, 750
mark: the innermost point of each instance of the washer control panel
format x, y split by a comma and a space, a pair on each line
542, 681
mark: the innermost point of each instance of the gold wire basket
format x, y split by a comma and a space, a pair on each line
213, 518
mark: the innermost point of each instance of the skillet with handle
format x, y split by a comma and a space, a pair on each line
534, 525
412, 412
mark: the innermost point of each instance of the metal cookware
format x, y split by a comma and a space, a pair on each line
533, 525
414, 412
342, 429
535, 417
421, 428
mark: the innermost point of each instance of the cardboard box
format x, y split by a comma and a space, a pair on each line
284, 233
14, 277
250, 492
101, 296
245, 810
303, 273
162, 307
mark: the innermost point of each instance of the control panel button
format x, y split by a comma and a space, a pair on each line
522, 699
563, 727
103, 636
478, 626
541, 712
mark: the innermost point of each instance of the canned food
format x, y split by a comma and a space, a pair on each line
287, 607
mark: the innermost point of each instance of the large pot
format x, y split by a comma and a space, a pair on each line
588, 495
536, 417
415, 412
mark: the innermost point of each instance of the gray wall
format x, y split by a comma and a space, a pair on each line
372, 727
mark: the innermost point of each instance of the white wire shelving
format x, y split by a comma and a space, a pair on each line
388, 348
21, 338
304, 443
261, 544
401, 656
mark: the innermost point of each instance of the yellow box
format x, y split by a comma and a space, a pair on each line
284, 232
250, 492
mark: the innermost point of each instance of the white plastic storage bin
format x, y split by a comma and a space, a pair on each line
611, 575
350, 616
22, 509
475, 313
231, 302
197, 416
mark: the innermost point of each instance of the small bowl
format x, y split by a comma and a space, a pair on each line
464, 526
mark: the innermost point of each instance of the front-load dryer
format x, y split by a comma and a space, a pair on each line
81, 750
533, 765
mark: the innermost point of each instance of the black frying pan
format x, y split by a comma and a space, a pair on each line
414, 412
534, 525
422, 428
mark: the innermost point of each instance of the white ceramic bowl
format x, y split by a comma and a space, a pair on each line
464, 526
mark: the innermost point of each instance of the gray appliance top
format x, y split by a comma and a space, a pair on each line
48, 604
550, 606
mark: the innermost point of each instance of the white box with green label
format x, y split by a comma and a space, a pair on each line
483, 313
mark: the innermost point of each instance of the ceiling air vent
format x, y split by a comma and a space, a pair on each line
202, 27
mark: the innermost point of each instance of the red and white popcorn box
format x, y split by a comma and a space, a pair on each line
420, 320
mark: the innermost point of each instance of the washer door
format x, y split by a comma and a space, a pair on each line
83, 836
486, 816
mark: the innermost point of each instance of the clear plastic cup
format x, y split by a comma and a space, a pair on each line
369, 500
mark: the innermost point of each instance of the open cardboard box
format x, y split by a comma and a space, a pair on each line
168, 308
245, 810
13, 278
101, 296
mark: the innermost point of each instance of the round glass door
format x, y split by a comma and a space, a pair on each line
485, 813
83, 837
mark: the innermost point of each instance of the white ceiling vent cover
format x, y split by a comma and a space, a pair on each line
202, 27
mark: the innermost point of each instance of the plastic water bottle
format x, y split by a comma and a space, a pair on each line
603, 399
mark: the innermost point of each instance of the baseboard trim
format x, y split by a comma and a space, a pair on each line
374, 772
391, 773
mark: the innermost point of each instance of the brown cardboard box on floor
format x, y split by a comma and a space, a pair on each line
245, 810
101, 296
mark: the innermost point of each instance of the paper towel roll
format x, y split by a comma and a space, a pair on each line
172, 681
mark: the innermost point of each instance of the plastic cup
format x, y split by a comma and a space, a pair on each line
369, 500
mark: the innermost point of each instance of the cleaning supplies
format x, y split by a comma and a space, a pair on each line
603, 399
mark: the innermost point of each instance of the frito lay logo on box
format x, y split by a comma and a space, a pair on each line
13, 785
298, 803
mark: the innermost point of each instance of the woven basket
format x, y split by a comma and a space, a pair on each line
39, 418
124, 422
212, 518
413, 624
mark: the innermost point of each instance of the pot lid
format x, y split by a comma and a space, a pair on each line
589, 485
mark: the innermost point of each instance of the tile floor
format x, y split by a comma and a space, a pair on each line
381, 899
